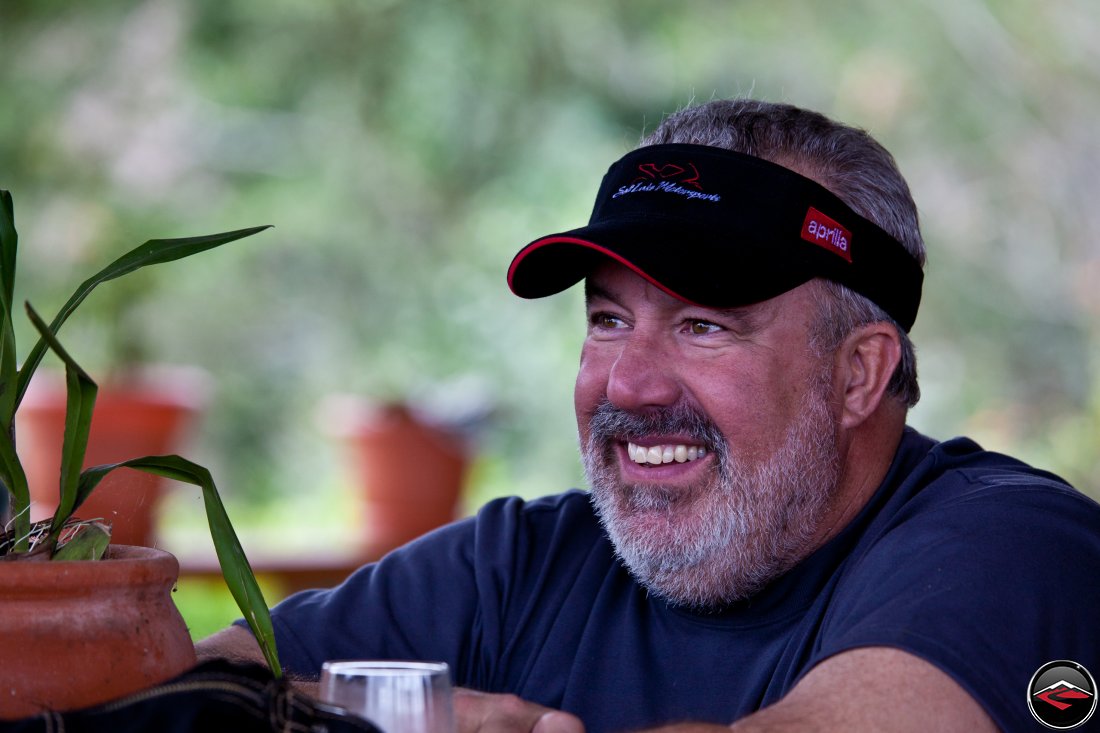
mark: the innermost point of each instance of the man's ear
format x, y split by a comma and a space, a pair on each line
865, 362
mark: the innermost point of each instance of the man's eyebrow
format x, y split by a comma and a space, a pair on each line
747, 317
746, 314
594, 292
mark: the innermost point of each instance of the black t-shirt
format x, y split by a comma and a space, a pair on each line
971, 560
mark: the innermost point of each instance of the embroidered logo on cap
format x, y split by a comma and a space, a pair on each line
827, 233
670, 171
667, 178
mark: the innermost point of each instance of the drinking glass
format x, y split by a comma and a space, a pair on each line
398, 697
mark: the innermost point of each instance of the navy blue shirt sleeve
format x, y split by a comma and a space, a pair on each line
418, 602
456, 595
987, 583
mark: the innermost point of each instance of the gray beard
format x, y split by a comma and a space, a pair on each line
722, 541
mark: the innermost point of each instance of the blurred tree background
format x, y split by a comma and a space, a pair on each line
405, 149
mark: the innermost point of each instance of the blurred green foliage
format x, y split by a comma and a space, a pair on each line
405, 150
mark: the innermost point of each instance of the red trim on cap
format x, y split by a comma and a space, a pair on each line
602, 250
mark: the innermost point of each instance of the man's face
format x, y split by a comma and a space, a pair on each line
707, 436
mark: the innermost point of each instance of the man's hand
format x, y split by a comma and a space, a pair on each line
481, 712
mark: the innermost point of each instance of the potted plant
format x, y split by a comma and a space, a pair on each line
142, 408
84, 621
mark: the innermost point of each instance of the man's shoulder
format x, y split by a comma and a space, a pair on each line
953, 499
976, 562
569, 500
506, 532
960, 474
545, 524
572, 506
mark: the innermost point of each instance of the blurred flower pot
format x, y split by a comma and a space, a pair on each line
409, 471
80, 633
146, 415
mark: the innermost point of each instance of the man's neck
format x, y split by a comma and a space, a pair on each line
866, 453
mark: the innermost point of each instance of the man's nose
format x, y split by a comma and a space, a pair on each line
642, 376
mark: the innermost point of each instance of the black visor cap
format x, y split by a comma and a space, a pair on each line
722, 229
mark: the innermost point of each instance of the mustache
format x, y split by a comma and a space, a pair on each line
609, 423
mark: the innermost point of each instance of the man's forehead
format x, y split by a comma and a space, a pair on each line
612, 281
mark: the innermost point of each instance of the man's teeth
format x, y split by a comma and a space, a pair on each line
664, 453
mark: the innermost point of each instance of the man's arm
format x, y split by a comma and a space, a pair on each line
877, 689
237, 644
872, 689
234, 643
475, 712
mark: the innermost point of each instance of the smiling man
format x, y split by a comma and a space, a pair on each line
705, 510
765, 543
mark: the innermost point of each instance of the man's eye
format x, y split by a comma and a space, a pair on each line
701, 328
604, 320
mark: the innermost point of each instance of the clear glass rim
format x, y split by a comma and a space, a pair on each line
382, 666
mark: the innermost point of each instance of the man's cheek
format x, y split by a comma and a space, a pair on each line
588, 392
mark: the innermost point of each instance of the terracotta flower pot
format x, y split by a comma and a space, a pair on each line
144, 417
74, 634
410, 473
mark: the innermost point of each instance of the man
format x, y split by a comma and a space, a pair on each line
765, 542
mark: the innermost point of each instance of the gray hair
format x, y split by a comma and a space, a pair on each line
843, 159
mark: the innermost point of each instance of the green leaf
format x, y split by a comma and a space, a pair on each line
11, 471
15, 482
234, 564
8, 246
153, 252
88, 542
80, 395
9, 240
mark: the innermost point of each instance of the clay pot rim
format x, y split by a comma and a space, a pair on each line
129, 563
171, 387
